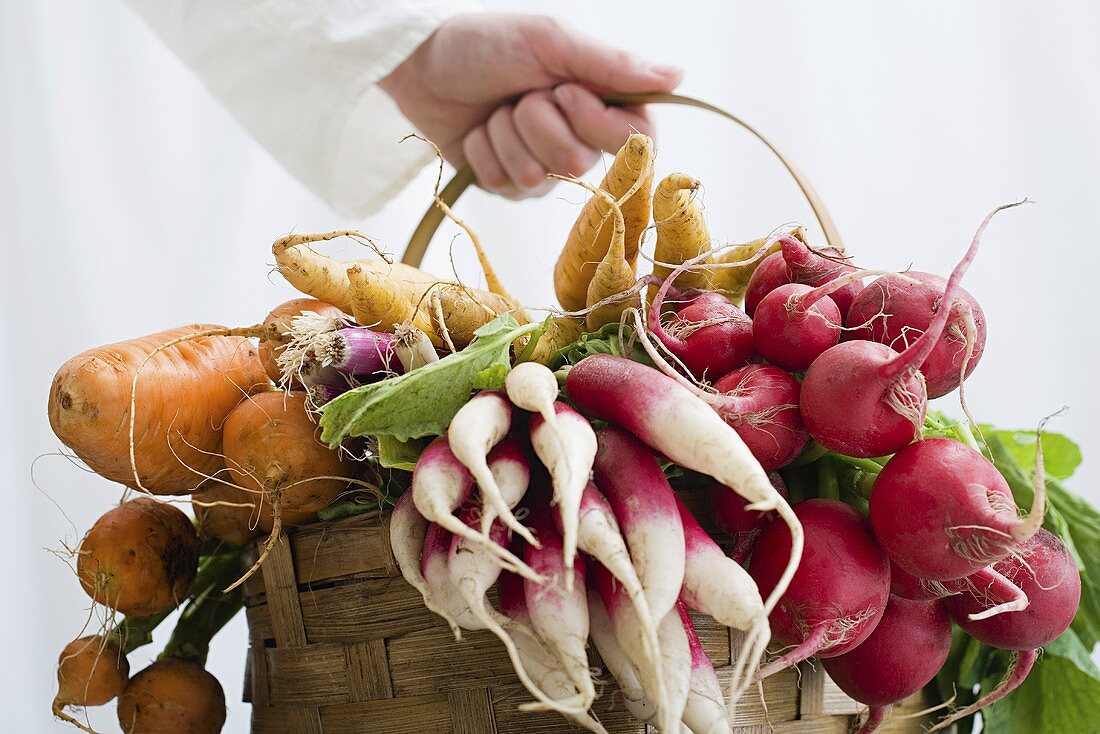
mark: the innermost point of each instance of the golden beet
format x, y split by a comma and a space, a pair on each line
226, 513
172, 697
90, 672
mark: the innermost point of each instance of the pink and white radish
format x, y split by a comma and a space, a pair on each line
599, 536
705, 711
797, 263
407, 531
558, 609
760, 402
895, 311
902, 655
511, 468
534, 388
617, 662
544, 668
862, 398
942, 511
839, 592
566, 448
643, 502
1043, 568
669, 692
719, 587
476, 428
674, 421
440, 485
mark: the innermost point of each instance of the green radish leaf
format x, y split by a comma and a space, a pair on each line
395, 454
422, 402
1061, 456
1059, 695
612, 339
492, 378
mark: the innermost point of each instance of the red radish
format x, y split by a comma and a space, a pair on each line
796, 263
719, 587
668, 693
727, 508
760, 401
705, 712
598, 535
476, 428
1046, 572
674, 421
558, 609
942, 511
645, 506
407, 530
895, 312
794, 324
617, 662
839, 591
987, 583
440, 485
546, 670
566, 448
708, 334
902, 654
511, 469
473, 571
862, 398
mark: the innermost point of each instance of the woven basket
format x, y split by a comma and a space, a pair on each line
339, 643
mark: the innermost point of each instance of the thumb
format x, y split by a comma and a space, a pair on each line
604, 68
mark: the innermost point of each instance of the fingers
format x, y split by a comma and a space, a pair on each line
572, 55
549, 137
525, 172
596, 124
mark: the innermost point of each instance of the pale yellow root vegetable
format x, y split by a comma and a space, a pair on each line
377, 304
560, 332
681, 230
589, 240
613, 275
730, 279
457, 311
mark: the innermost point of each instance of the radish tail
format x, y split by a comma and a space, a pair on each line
1031, 522
508, 559
876, 715
804, 651
1018, 669
752, 650
490, 492
991, 584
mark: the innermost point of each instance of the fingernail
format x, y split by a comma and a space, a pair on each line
666, 70
564, 96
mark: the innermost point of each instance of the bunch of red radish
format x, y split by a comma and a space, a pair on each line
873, 597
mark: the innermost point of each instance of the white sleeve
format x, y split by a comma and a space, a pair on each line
301, 78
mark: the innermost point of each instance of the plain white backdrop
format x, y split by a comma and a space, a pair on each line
131, 202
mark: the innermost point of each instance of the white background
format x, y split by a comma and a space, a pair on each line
131, 202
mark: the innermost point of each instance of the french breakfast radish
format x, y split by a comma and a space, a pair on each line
760, 402
862, 398
475, 429
629, 476
839, 591
1043, 568
721, 588
511, 470
440, 485
407, 532
139, 558
674, 421
705, 711
616, 660
895, 311
901, 655
942, 511
566, 448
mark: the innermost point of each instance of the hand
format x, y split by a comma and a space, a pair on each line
516, 97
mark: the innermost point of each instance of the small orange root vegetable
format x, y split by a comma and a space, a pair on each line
139, 558
731, 279
90, 672
681, 230
588, 241
172, 697
226, 513
279, 320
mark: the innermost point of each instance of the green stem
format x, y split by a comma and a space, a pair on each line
962, 430
809, 455
828, 486
868, 465
208, 611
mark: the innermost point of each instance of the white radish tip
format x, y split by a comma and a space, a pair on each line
762, 506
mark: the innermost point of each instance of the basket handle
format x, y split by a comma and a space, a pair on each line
425, 230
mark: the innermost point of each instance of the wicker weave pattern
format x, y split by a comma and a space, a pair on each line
339, 643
